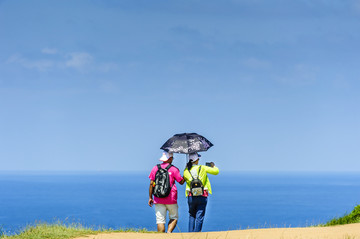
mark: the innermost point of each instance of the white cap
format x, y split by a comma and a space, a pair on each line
194, 156
166, 156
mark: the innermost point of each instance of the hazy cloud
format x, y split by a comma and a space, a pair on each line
106, 67
299, 74
109, 87
356, 5
78, 60
50, 51
184, 30
341, 82
74, 60
255, 63
40, 65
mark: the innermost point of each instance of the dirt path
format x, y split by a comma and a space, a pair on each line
351, 231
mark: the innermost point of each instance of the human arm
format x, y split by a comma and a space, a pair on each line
152, 184
187, 181
151, 188
178, 177
213, 169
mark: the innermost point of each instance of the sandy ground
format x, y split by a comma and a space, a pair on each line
351, 231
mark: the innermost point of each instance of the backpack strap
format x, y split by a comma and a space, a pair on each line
198, 176
190, 173
199, 173
167, 169
169, 166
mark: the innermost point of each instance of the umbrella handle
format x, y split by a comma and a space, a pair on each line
187, 159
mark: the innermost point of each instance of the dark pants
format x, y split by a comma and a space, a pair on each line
197, 207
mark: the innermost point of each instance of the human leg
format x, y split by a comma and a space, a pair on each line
171, 225
200, 213
160, 213
192, 213
173, 216
161, 227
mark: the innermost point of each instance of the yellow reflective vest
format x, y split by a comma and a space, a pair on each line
202, 176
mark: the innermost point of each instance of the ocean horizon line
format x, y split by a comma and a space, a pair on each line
58, 172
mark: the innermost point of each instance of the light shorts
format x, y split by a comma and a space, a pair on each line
160, 212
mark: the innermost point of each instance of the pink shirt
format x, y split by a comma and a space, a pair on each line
174, 174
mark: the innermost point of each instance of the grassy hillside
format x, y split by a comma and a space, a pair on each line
66, 231
60, 231
352, 217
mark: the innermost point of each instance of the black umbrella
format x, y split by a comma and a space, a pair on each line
186, 143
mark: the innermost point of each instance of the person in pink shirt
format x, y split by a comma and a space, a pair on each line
169, 203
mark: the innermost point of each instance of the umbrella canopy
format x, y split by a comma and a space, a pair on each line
186, 143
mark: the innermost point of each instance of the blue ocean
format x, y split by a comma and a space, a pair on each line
119, 200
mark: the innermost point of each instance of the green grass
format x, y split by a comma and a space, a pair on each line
353, 217
60, 230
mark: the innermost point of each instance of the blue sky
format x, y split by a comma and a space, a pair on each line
101, 85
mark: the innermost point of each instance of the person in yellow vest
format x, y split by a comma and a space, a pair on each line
198, 188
